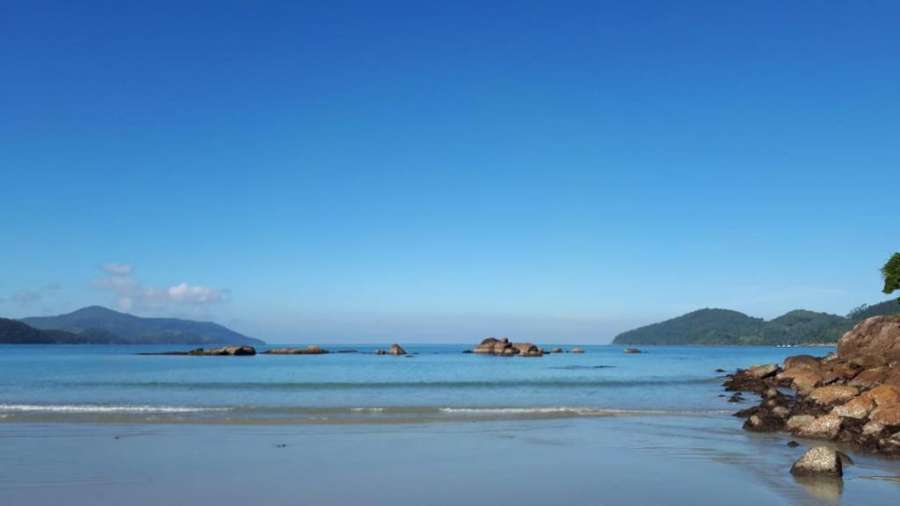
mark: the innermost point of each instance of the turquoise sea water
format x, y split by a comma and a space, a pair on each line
435, 383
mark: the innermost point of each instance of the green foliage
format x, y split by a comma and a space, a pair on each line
891, 274
722, 326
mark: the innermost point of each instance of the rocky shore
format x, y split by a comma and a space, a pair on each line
851, 397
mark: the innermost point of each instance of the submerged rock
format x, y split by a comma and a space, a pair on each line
632, 350
309, 350
820, 460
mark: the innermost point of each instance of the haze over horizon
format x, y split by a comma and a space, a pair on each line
438, 173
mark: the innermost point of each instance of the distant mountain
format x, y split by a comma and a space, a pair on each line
723, 326
97, 324
16, 332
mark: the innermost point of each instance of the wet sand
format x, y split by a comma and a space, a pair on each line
609, 461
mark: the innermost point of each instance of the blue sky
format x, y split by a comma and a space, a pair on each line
373, 171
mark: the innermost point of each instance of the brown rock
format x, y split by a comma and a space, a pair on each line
802, 362
805, 382
396, 349
886, 415
884, 395
833, 394
870, 377
873, 342
527, 350
762, 371
859, 408
797, 422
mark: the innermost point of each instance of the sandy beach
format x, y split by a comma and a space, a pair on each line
611, 461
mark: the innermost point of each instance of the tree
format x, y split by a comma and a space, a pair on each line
891, 274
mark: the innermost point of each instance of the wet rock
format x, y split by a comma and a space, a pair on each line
819, 460
764, 422
631, 350
720, 370
556, 350
309, 350
833, 394
792, 444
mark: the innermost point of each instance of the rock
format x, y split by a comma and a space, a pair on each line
826, 426
870, 377
820, 460
720, 370
888, 416
805, 381
763, 422
781, 411
736, 398
858, 408
309, 350
631, 350
762, 371
802, 362
396, 350
504, 347
873, 342
872, 429
884, 395
527, 350
557, 350
797, 422
576, 350
233, 351
792, 444
833, 394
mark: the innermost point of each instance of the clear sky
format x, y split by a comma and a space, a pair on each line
442, 171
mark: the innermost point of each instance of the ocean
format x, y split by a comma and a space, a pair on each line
104, 425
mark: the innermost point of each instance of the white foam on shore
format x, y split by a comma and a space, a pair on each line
96, 408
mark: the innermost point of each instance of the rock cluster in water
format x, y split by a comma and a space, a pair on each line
503, 347
225, 351
852, 397
309, 350
395, 349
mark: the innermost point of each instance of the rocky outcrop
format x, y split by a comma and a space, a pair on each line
396, 349
820, 460
503, 347
850, 397
309, 350
225, 351
874, 342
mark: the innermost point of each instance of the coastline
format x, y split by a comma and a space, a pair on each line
610, 461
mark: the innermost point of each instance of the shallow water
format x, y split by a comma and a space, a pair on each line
114, 384
99, 425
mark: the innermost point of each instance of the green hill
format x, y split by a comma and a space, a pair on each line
96, 324
723, 326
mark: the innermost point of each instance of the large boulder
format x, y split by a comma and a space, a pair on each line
873, 342
819, 460
805, 381
503, 347
527, 350
802, 362
396, 349
762, 371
